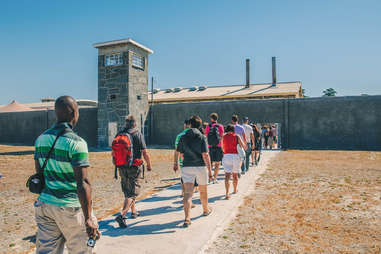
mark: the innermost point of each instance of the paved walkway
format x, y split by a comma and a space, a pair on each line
159, 229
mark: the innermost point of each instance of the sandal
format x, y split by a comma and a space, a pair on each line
187, 223
135, 215
207, 213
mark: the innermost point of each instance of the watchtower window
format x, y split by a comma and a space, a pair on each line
138, 61
114, 59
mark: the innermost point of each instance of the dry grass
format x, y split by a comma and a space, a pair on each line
311, 202
17, 225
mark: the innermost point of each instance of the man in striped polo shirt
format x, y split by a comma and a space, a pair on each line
64, 209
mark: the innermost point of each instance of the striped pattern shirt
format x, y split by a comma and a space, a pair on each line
69, 152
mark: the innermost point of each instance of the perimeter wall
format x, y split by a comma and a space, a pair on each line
347, 123
25, 127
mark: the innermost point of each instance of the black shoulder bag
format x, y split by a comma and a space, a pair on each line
36, 182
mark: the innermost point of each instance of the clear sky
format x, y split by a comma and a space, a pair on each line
46, 46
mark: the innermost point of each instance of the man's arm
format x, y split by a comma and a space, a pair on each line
252, 140
84, 196
37, 166
206, 158
176, 160
147, 159
244, 137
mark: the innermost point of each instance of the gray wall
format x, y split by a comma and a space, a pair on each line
25, 127
310, 123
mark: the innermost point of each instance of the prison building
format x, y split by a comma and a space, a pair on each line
282, 90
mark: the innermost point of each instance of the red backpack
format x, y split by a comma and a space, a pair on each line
122, 152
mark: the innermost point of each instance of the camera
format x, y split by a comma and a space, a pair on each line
91, 242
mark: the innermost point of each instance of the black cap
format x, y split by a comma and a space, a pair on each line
245, 118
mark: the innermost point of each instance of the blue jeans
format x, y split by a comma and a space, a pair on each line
248, 153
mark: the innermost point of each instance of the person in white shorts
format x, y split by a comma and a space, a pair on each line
231, 160
194, 152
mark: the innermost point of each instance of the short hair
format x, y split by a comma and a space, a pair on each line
186, 122
65, 106
214, 116
234, 118
195, 122
229, 128
130, 121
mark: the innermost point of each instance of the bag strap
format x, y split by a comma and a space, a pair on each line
51, 149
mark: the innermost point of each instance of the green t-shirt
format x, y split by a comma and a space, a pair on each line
69, 152
177, 143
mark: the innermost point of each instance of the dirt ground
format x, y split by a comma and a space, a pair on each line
17, 225
310, 202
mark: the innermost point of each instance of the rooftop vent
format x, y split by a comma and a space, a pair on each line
178, 89
48, 99
156, 90
169, 90
202, 88
193, 88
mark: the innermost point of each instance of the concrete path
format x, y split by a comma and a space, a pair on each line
159, 229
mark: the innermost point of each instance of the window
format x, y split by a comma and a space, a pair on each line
115, 59
138, 61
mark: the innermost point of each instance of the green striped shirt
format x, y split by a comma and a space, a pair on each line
69, 152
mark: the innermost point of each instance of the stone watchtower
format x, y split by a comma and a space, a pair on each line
122, 86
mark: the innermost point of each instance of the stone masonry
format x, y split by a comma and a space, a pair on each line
122, 88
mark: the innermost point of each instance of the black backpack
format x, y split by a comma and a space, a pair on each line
214, 135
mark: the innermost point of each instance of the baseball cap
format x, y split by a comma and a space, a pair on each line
245, 118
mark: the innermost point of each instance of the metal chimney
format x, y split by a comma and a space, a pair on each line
274, 70
247, 73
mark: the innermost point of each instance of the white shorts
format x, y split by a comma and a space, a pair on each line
189, 174
231, 163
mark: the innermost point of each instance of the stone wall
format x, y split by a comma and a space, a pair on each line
308, 123
25, 127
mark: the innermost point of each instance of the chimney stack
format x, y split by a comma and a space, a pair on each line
274, 70
247, 73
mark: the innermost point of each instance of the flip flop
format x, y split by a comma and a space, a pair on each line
207, 213
187, 223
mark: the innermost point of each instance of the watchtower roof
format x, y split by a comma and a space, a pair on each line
122, 41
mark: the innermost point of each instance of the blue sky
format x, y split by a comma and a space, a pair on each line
46, 46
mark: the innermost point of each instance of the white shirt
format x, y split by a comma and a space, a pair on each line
248, 129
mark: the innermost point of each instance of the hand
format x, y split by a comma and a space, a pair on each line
92, 229
210, 175
175, 167
149, 168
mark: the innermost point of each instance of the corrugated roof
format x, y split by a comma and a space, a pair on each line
282, 89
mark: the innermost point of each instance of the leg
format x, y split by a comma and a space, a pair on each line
49, 237
216, 169
248, 153
227, 184
204, 198
187, 200
235, 182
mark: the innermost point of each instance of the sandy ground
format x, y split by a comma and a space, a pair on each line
17, 225
310, 202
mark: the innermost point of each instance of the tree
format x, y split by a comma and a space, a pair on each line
329, 92
304, 93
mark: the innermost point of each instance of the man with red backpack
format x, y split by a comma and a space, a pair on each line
127, 150
214, 133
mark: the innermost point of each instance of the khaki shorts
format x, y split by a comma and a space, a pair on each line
58, 226
190, 174
130, 181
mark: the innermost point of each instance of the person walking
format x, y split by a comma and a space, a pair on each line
178, 162
231, 160
129, 174
240, 131
214, 133
266, 137
250, 144
63, 211
275, 136
271, 137
193, 148
257, 140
